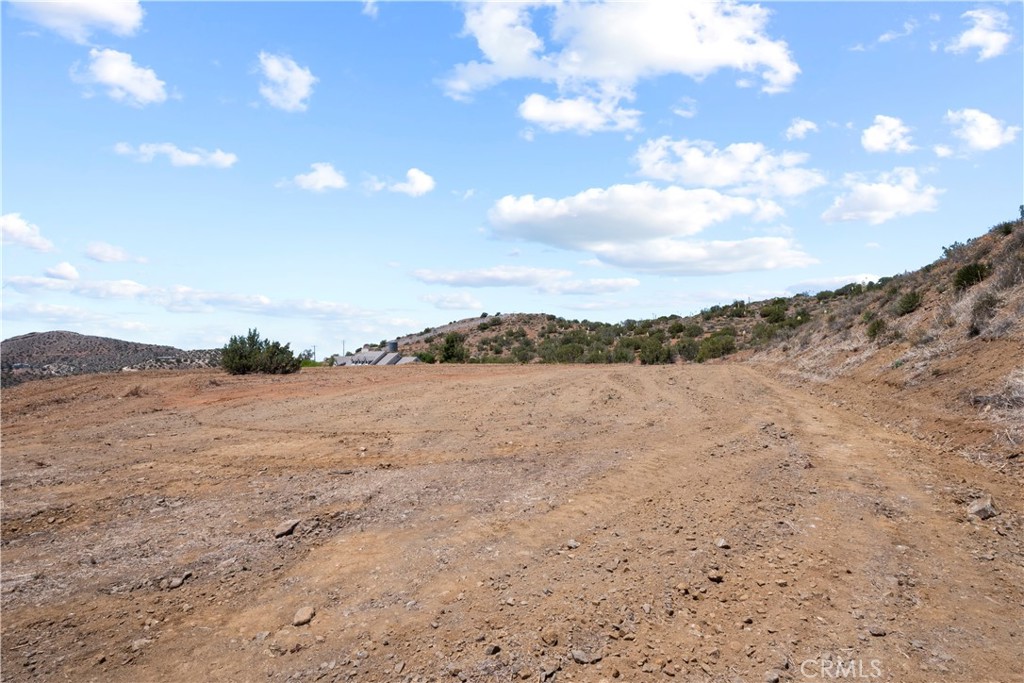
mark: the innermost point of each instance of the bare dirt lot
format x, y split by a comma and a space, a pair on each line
495, 523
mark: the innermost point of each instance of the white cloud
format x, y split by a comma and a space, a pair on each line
16, 230
461, 301
371, 9
601, 51
746, 166
872, 245
799, 128
288, 86
621, 212
644, 228
589, 287
943, 151
578, 114
94, 289
908, 27
897, 193
76, 20
989, 33
63, 271
981, 131
888, 134
124, 80
178, 157
108, 253
417, 183
694, 257
323, 177
497, 276
686, 108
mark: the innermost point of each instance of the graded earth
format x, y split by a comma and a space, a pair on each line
711, 522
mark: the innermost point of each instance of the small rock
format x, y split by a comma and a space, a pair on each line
140, 643
772, 677
286, 528
175, 583
492, 649
572, 544
303, 616
723, 544
877, 631
549, 638
982, 508
400, 667
100, 659
581, 657
715, 577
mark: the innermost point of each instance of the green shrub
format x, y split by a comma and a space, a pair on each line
453, 349
908, 303
248, 354
875, 328
970, 275
688, 348
716, 346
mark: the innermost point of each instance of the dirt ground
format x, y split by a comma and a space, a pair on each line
497, 523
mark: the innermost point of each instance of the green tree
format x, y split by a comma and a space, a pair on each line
453, 349
248, 354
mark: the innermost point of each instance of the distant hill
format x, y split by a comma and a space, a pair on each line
39, 355
923, 307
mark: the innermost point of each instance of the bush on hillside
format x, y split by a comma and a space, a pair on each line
970, 275
908, 303
250, 354
453, 349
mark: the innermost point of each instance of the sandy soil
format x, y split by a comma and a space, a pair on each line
496, 523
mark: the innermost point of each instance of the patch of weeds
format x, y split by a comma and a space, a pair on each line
908, 303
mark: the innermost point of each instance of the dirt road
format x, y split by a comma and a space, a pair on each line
494, 523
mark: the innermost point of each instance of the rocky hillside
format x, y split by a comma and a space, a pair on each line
57, 354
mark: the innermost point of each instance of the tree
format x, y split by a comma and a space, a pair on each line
248, 354
453, 349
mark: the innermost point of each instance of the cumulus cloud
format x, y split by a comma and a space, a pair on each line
16, 230
989, 34
417, 183
578, 114
460, 301
124, 80
888, 134
980, 131
323, 177
894, 194
371, 9
746, 166
63, 271
598, 215
109, 253
76, 20
696, 257
799, 128
645, 228
601, 51
178, 157
287, 85
942, 151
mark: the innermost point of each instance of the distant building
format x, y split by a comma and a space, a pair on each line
390, 356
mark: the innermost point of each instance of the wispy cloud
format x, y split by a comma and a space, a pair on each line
16, 230
197, 156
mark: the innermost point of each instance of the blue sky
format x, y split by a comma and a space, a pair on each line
333, 172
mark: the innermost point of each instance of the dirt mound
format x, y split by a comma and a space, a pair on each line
536, 523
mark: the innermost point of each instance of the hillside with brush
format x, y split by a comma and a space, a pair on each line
40, 355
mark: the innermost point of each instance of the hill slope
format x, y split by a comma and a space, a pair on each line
57, 354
